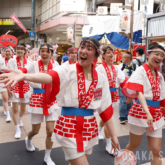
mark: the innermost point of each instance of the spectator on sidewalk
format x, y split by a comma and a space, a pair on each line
140, 58
65, 58
128, 67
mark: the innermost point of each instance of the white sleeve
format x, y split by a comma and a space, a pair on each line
135, 83
29, 67
162, 90
106, 110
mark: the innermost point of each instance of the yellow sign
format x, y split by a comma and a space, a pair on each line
7, 22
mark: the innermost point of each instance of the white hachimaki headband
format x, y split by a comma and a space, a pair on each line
99, 49
156, 50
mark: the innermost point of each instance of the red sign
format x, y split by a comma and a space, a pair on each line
8, 40
18, 22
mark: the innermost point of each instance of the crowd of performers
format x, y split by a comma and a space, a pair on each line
80, 89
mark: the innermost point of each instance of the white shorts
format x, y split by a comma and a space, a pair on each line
140, 131
2, 89
72, 153
39, 118
13, 99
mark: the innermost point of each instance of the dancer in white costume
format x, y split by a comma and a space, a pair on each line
115, 77
38, 107
20, 92
8, 52
80, 90
146, 115
72, 53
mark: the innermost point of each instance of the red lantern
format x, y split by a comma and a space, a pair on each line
8, 40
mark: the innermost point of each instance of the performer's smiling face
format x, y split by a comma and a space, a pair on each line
108, 56
20, 50
155, 57
45, 54
8, 53
86, 54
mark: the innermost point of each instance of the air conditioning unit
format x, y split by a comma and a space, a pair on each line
114, 8
149, 4
102, 10
136, 3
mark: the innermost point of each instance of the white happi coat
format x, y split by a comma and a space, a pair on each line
2, 65
121, 79
36, 100
139, 81
12, 64
65, 87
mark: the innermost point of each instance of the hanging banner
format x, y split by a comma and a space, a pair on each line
7, 22
8, 40
18, 22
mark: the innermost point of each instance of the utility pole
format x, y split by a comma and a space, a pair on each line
32, 19
129, 35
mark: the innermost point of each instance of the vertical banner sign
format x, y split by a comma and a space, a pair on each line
18, 22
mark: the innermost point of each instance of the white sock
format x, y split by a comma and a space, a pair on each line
47, 153
17, 128
8, 113
109, 142
100, 129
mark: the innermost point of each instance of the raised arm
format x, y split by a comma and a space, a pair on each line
13, 76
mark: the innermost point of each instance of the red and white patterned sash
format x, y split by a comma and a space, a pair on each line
21, 83
83, 97
84, 101
112, 82
41, 70
53, 61
154, 84
70, 62
6, 61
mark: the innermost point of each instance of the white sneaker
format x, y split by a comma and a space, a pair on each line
8, 118
109, 147
18, 132
4, 113
20, 122
29, 145
48, 161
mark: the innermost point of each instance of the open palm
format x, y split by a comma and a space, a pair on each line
11, 76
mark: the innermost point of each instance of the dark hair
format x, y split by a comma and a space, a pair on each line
9, 47
140, 51
21, 45
96, 42
49, 46
130, 54
155, 45
66, 52
106, 48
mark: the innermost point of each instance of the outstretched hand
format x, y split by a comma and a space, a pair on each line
11, 76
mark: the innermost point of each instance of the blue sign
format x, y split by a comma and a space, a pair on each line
32, 34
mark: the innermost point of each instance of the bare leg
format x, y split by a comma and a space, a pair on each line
154, 146
34, 131
22, 109
49, 131
134, 142
101, 123
49, 143
80, 161
86, 157
5, 100
15, 113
